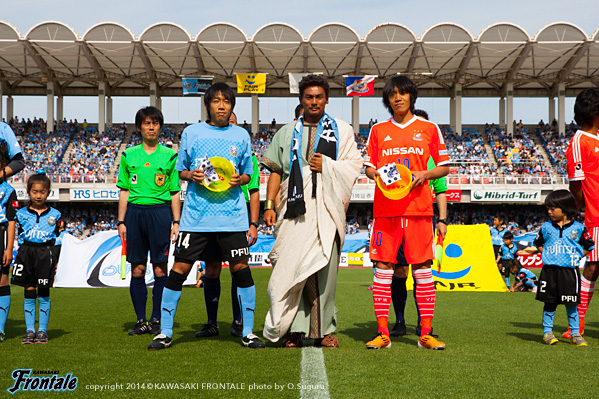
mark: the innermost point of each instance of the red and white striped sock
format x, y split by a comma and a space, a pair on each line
381, 293
425, 297
587, 288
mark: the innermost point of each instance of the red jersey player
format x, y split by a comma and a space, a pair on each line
583, 172
409, 140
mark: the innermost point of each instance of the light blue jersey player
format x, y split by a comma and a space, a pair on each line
212, 218
8, 208
10, 145
36, 260
524, 279
564, 242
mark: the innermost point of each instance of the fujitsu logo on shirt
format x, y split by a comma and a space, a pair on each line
403, 151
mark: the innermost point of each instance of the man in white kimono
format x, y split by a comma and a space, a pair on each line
316, 155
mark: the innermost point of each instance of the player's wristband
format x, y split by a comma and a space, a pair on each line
269, 205
119, 223
176, 221
444, 221
254, 224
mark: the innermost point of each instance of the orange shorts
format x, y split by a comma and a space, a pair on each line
415, 233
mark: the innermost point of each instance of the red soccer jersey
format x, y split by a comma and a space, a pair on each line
583, 165
411, 144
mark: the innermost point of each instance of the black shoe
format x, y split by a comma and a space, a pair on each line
252, 341
155, 326
2, 337
399, 329
41, 337
418, 330
29, 338
209, 330
141, 327
160, 341
236, 329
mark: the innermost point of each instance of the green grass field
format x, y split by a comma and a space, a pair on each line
493, 350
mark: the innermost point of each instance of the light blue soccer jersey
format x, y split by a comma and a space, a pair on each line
525, 274
205, 210
8, 203
6, 134
563, 246
497, 236
508, 253
36, 228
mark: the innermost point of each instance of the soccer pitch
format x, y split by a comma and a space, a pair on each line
494, 350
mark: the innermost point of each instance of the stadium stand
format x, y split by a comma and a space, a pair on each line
556, 145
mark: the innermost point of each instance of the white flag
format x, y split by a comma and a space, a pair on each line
295, 78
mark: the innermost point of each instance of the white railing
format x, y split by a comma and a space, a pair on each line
362, 179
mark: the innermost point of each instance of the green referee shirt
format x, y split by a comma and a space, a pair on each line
439, 186
254, 183
150, 178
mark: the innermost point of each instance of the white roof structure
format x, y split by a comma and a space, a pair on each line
446, 54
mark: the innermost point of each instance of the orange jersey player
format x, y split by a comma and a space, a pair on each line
583, 172
407, 222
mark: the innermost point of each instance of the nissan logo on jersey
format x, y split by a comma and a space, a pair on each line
403, 151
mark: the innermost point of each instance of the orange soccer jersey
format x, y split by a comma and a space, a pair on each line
410, 144
583, 164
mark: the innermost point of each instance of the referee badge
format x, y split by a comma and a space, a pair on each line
51, 220
133, 179
574, 234
159, 179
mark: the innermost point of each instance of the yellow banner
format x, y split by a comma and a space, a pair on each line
254, 83
468, 261
355, 259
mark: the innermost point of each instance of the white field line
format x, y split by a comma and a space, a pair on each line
314, 382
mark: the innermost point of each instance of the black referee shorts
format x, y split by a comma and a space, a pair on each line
148, 230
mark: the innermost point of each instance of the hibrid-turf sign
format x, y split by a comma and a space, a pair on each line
506, 195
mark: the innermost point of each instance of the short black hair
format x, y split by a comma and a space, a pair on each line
564, 200
421, 113
514, 263
311, 81
586, 107
225, 90
38, 178
404, 85
298, 111
500, 217
508, 235
148, 112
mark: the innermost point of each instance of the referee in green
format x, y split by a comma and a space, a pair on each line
148, 182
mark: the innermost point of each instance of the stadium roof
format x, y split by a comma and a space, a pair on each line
445, 54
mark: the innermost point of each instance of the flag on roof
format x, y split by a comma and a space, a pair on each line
359, 85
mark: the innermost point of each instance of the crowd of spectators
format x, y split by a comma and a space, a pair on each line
519, 219
42, 150
556, 144
467, 148
517, 153
92, 155
98, 218
352, 227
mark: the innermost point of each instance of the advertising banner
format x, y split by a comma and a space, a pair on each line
506, 195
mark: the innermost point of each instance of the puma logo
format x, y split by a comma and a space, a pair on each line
170, 312
29, 311
5, 309
45, 311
